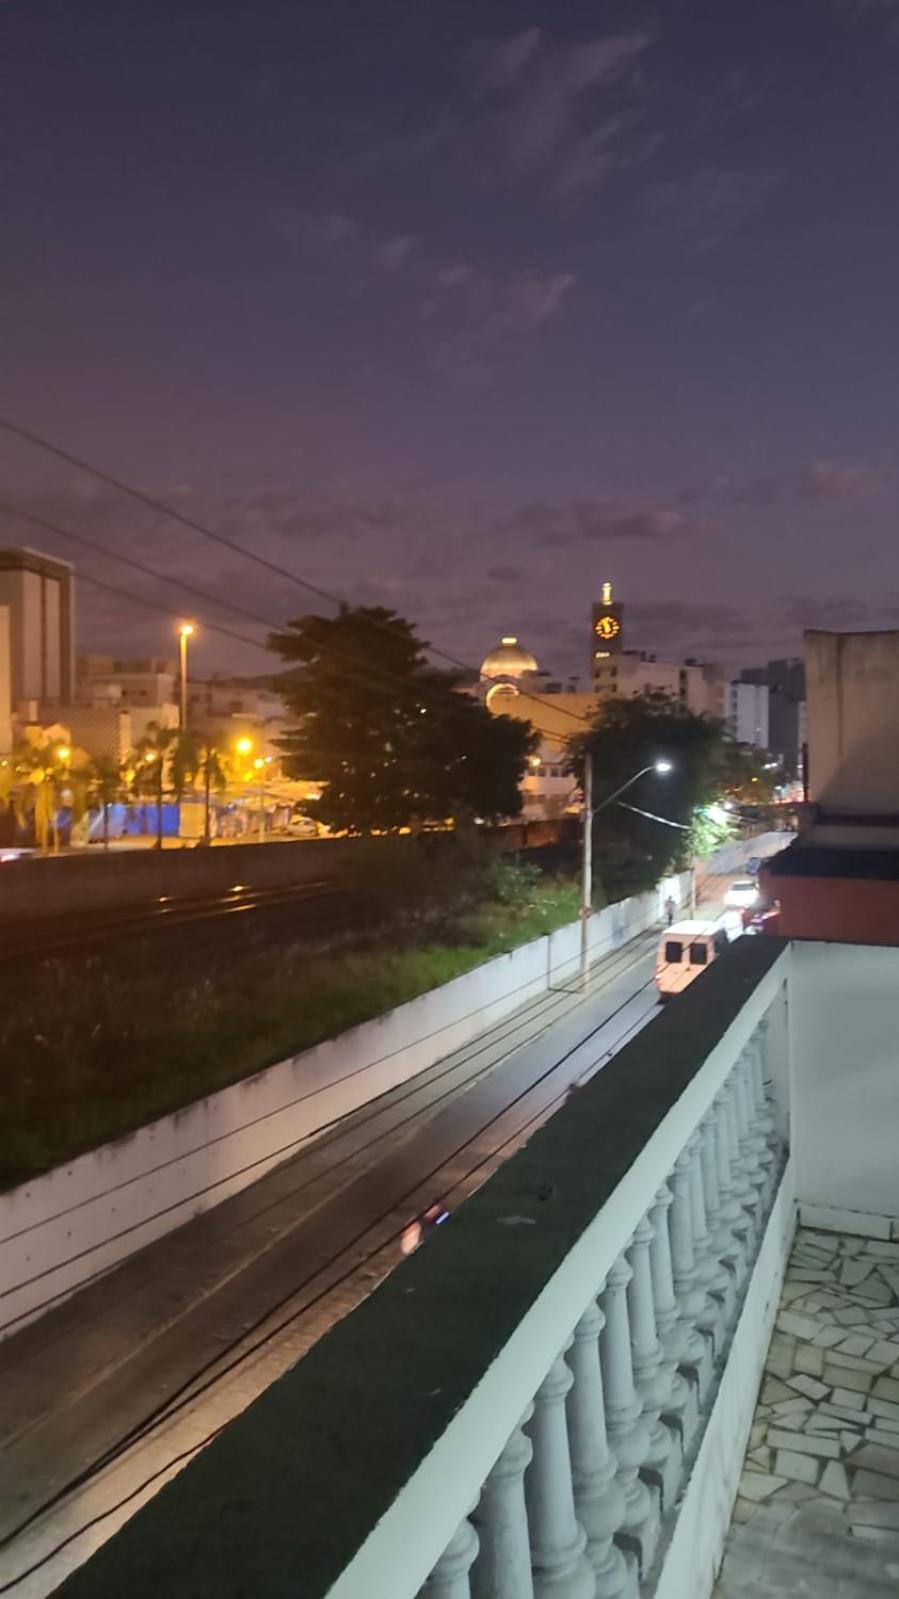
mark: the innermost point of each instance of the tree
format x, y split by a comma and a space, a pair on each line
746, 774
631, 852
105, 781
159, 758
197, 755
393, 741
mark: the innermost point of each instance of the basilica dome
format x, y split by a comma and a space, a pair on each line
509, 659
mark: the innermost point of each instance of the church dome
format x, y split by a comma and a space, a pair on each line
509, 659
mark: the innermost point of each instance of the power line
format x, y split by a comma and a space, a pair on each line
40, 443
184, 1397
363, 667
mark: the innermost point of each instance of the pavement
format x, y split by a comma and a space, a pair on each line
110, 1394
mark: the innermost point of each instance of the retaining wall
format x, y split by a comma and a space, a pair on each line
60, 1230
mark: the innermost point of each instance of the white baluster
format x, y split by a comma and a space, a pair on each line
734, 1217
449, 1579
768, 1095
663, 1461
722, 1244
748, 1166
598, 1496
764, 1116
711, 1272
683, 1402
503, 1567
558, 1541
628, 1432
761, 1158
691, 1296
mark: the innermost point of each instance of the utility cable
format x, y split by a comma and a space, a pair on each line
365, 669
331, 1131
182, 1396
40, 443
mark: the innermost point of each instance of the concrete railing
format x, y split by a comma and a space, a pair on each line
553, 1397
59, 1231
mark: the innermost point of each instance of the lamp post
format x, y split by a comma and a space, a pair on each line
660, 766
260, 764
186, 631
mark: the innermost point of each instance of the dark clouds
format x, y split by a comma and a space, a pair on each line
820, 482
564, 114
419, 301
450, 317
706, 206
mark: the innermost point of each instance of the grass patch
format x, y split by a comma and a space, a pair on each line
96, 1047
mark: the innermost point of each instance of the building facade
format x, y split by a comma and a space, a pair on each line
38, 593
746, 713
785, 681
840, 879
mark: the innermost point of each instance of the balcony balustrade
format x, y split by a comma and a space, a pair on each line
553, 1398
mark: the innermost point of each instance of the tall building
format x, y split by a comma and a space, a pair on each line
746, 713
38, 592
606, 629
785, 681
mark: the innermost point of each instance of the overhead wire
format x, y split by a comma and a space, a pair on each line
182, 1395
26, 435
332, 1130
365, 670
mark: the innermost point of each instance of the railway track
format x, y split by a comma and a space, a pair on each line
44, 937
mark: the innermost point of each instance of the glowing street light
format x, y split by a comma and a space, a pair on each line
186, 631
260, 764
660, 765
63, 753
243, 746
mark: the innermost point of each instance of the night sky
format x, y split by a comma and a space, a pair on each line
462, 307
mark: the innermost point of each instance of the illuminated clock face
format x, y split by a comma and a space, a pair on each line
607, 627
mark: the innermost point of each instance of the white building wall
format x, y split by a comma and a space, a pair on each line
747, 713
844, 1017
629, 675
852, 698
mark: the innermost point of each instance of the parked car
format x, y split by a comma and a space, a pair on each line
685, 950
741, 894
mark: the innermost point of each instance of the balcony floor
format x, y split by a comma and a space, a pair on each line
818, 1508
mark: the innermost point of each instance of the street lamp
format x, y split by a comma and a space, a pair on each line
662, 766
260, 764
186, 631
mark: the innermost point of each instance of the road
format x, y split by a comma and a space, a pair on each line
107, 1396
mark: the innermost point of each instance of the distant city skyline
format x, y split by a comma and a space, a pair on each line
464, 312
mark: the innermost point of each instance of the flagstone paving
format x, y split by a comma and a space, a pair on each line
818, 1506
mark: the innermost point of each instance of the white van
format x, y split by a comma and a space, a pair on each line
685, 950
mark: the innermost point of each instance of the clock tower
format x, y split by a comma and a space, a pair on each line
606, 630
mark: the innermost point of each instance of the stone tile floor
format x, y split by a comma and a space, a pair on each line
818, 1506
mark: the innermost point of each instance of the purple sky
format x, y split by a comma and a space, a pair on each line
463, 307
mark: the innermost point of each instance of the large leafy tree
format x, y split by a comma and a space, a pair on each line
391, 739
632, 851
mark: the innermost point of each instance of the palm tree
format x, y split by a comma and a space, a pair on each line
155, 753
105, 779
215, 776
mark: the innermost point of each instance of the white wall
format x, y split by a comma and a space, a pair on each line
844, 1094
68, 1226
852, 696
